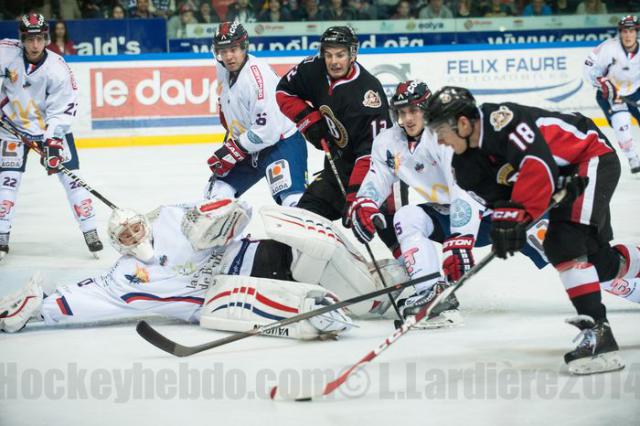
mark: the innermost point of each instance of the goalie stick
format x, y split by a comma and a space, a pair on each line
425, 311
160, 341
34, 145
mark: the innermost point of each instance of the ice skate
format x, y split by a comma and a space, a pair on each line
597, 352
93, 242
4, 245
18, 308
445, 315
634, 164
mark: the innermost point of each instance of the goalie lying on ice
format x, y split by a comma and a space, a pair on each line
190, 262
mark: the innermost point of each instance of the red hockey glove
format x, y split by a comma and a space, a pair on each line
458, 256
365, 216
608, 89
508, 228
52, 155
225, 158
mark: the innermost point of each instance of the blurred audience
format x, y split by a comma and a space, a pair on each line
496, 9
60, 42
591, 7
435, 9
403, 10
563, 7
274, 13
177, 24
141, 10
336, 11
206, 15
536, 8
241, 11
465, 9
117, 12
310, 11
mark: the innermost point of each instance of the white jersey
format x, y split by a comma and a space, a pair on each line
250, 108
425, 167
39, 100
610, 59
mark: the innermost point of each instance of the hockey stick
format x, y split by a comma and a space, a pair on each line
424, 312
213, 178
327, 153
158, 340
34, 146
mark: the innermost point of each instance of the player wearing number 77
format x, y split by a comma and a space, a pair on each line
262, 142
38, 99
515, 157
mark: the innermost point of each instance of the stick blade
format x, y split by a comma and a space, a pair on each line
286, 393
149, 334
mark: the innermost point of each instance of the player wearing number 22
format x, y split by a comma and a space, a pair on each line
38, 99
331, 96
262, 141
515, 157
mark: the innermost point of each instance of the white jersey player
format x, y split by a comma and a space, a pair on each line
410, 153
38, 99
614, 68
261, 141
185, 262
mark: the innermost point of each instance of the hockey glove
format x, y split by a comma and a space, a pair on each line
508, 228
458, 257
316, 131
608, 89
52, 155
575, 186
225, 158
365, 216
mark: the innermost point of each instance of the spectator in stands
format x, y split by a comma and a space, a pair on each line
563, 7
465, 9
591, 7
496, 9
177, 24
92, 9
435, 9
117, 12
241, 11
403, 10
536, 8
162, 8
274, 13
310, 11
141, 10
69, 9
206, 15
336, 11
60, 42
364, 9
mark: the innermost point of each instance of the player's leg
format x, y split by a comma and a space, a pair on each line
323, 197
285, 168
399, 197
13, 156
79, 198
619, 117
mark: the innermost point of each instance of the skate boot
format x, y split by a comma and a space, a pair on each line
445, 315
598, 350
93, 242
634, 164
18, 308
4, 245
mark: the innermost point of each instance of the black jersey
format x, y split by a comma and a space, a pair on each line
522, 152
355, 107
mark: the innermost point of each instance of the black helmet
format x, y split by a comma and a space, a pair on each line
341, 36
33, 23
411, 92
629, 21
450, 103
229, 34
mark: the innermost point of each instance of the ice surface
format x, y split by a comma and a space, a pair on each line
503, 367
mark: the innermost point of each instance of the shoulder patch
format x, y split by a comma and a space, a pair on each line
372, 99
257, 75
500, 118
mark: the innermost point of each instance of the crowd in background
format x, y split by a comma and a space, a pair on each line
180, 13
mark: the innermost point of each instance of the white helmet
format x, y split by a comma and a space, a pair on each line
130, 234
214, 223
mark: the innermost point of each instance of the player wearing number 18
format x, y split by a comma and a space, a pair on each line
515, 157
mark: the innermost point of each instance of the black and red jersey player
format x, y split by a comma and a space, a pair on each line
514, 157
331, 96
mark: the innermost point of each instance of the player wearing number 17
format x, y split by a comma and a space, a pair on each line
515, 157
38, 99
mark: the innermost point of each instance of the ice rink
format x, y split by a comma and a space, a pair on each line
503, 367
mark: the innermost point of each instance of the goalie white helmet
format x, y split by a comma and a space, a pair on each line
130, 234
214, 223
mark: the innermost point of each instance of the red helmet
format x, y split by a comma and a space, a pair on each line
229, 34
630, 22
33, 23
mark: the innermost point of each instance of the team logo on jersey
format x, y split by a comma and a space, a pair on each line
419, 167
11, 75
393, 162
186, 269
279, 176
163, 260
622, 288
84, 210
372, 99
141, 276
336, 128
500, 118
5, 208
506, 175
459, 213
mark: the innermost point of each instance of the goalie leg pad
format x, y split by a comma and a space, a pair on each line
240, 303
17, 309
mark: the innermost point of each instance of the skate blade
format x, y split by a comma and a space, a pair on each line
446, 319
610, 361
95, 255
2, 255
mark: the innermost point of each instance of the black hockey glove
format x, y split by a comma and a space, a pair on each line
51, 154
575, 186
508, 228
317, 131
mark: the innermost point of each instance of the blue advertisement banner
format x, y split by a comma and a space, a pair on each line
305, 42
109, 36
